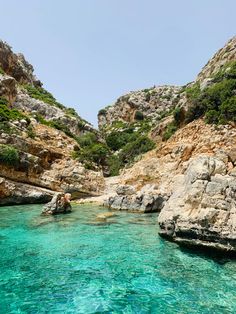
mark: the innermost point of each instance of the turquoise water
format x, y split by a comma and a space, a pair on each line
75, 264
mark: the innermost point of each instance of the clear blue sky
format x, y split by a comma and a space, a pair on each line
90, 52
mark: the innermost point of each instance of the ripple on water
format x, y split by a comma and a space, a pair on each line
78, 264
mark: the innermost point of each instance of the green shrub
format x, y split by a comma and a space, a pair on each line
178, 115
81, 124
88, 139
116, 140
1, 71
9, 155
228, 109
114, 165
71, 112
217, 101
31, 132
147, 96
102, 112
7, 114
212, 116
6, 128
43, 95
141, 145
138, 115
228, 71
96, 153
170, 130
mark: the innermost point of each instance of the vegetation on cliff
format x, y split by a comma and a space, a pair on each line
217, 102
8, 114
123, 143
9, 155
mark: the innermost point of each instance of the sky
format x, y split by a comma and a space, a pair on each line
90, 52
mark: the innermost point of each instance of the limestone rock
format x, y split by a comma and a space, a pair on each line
125, 190
54, 207
144, 201
12, 192
202, 208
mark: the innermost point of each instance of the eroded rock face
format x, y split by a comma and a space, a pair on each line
128, 199
16, 66
202, 209
150, 102
12, 192
223, 56
46, 162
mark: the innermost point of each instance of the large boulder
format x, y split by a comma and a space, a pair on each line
20, 193
202, 209
144, 201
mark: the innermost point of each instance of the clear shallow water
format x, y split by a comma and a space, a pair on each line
74, 264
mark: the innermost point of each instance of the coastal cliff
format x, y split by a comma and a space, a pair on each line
38, 138
191, 170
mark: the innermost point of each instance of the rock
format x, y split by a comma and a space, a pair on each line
151, 102
125, 190
202, 209
145, 202
105, 215
16, 66
20, 193
55, 206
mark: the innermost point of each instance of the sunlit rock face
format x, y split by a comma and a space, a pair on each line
202, 208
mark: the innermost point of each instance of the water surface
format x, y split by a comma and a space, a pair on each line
75, 263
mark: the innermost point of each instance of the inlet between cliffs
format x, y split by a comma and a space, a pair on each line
93, 262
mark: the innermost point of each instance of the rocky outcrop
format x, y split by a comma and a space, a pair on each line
12, 192
202, 209
153, 103
223, 56
46, 162
16, 66
57, 206
144, 201
8, 88
42, 133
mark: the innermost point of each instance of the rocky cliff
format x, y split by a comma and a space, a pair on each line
192, 169
38, 138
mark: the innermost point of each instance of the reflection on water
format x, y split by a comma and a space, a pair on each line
83, 263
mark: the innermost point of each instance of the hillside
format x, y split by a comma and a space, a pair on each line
39, 138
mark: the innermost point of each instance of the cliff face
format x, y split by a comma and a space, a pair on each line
152, 103
37, 139
193, 172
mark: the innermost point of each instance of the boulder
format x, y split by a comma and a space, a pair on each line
202, 209
55, 207
145, 201
125, 190
20, 193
